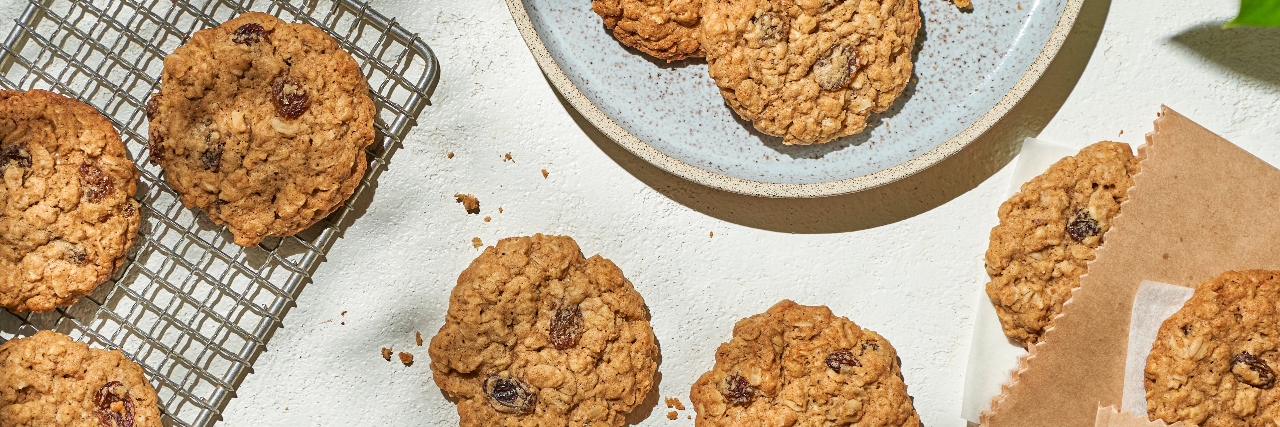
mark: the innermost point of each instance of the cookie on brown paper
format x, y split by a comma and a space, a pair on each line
810, 71
50, 380
665, 29
802, 366
1048, 233
262, 124
67, 213
537, 335
1213, 362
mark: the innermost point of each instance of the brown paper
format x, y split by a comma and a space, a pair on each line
1110, 417
1207, 206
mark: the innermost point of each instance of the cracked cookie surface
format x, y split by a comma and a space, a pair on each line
802, 366
1048, 233
665, 29
538, 335
810, 71
262, 124
48, 379
67, 213
1213, 361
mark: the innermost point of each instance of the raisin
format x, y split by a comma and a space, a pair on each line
96, 184
1186, 329
15, 153
566, 327
290, 98
1082, 226
835, 70
1251, 370
211, 159
509, 395
153, 104
110, 415
870, 344
129, 211
249, 34
827, 5
770, 28
840, 359
738, 391
78, 256
154, 145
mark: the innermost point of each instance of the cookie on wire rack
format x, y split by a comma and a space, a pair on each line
664, 29
50, 380
1213, 361
1048, 233
538, 335
802, 366
262, 124
67, 213
810, 71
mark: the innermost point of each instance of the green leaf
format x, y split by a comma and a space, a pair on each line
1257, 13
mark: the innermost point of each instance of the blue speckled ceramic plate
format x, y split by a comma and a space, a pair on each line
972, 67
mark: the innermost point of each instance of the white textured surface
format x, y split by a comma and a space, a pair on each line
882, 259
912, 280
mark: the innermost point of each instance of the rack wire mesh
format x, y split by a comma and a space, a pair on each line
190, 306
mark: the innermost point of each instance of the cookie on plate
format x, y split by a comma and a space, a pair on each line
48, 379
262, 124
802, 366
665, 29
810, 71
1048, 232
67, 213
538, 335
1213, 362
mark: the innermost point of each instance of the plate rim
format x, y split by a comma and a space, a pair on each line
560, 81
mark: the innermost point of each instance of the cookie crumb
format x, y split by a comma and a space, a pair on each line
1121, 131
507, 157
711, 234
544, 174
672, 415
417, 337
406, 358
343, 323
499, 209
1019, 6
674, 402
344, 312
476, 242
450, 154
469, 202
487, 219
386, 353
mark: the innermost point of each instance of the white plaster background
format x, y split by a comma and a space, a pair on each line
905, 260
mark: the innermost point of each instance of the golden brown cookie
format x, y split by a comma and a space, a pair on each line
1213, 362
666, 29
50, 380
67, 213
802, 366
262, 124
809, 71
537, 335
1048, 232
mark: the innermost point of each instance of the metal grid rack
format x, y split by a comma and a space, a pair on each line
190, 306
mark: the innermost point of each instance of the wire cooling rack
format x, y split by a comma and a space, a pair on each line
190, 306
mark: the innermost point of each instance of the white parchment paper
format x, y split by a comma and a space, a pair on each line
991, 355
1153, 303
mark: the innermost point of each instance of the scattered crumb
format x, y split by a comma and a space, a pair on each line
688, 417
406, 358
1122, 131
674, 402
386, 353
507, 157
544, 174
711, 234
344, 312
1019, 6
672, 415
499, 209
450, 154
343, 323
476, 242
417, 337
487, 219
469, 202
